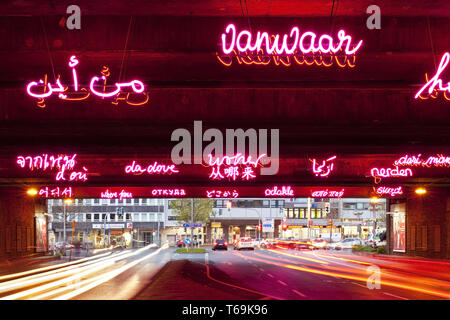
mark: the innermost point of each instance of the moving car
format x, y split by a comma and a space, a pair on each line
348, 243
244, 243
181, 244
220, 245
305, 244
319, 243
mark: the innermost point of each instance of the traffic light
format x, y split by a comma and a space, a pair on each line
284, 226
259, 227
154, 233
327, 207
229, 205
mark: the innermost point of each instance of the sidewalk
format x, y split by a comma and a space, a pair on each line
18, 264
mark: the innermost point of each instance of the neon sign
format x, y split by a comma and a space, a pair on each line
319, 170
56, 192
231, 171
151, 169
390, 191
168, 192
61, 162
377, 173
289, 48
121, 91
327, 194
114, 195
221, 194
284, 191
435, 84
407, 160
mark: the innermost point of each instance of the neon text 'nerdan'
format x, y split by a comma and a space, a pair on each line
302, 48
237, 141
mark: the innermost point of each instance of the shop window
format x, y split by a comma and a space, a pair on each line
302, 213
296, 213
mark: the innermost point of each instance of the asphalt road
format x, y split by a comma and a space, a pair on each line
277, 273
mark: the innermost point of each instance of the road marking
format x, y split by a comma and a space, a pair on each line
299, 293
270, 275
393, 295
281, 282
358, 284
261, 269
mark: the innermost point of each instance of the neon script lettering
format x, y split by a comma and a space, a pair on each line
121, 91
168, 192
283, 50
221, 194
378, 173
437, 161
321, 170
114, 195
389, 191
233, 163
327, 193
283, 191
151, 169
435, 84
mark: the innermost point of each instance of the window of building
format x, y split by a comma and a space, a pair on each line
129, 201
96, 217
359, 205
296, 213
112, 217
266, 203
128, 216
144, 217
135, 216
88, 217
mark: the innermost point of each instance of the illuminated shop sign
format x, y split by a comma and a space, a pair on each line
154, 168
56, 192
389, 191
131, 92
415, 160
435, 85
379, 173
302, 48
222, 193
325, 168
285, 191
327, 193
233, 167
61, 162
116, 195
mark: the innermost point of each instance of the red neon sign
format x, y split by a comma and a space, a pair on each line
435, 84
283, 191
262, 48
56, 192
168, 192
115, 195
151, 169
327, 193
122, 91
377, 173
389, 191
221, 194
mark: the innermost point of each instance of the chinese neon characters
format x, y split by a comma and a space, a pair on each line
435, 84
262, 48
131, 92
232, 167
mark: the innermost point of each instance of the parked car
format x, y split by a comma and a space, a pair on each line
319, 243
244, 243
220, 245
381, 241
348, 243
305, 244
266, 243
59, 245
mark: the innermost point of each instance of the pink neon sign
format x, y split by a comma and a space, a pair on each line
379, 173
435, 84
121, 91
116, 195
324, 169
327, 193
283, 191
168, 192
389, 191
151, 169
221, 194
232, 167
61, 162
415, 160
262, 48
56, 192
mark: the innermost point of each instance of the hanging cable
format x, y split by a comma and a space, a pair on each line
48, 48
431, 42
332, 15
122, 68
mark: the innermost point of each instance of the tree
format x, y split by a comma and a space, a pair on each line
203, 208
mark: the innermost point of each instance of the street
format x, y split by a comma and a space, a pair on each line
277, 273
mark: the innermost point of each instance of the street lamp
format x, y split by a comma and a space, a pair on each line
374, 201
260, 221
66, 202
420, 191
